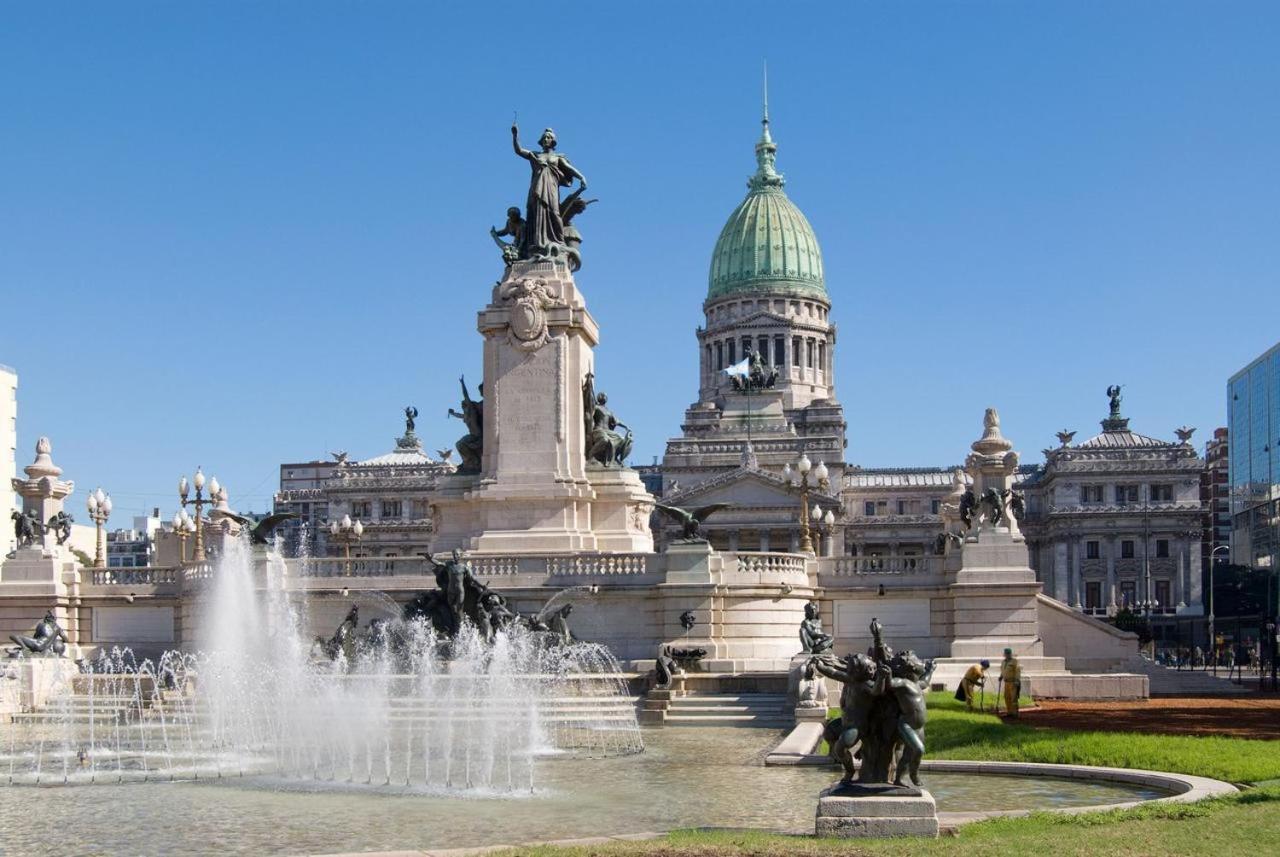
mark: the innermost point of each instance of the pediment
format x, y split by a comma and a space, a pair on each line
744, 488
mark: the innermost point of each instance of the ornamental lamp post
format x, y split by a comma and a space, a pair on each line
1213, 604
199, 503
803, 478
99, 505
346, 531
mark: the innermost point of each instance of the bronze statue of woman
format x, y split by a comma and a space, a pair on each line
544, 227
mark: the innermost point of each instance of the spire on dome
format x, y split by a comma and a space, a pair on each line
766, 176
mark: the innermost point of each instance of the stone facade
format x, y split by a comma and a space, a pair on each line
1116, 521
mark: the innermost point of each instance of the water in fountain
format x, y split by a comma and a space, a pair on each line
255, 702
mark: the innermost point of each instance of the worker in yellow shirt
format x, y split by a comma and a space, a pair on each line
974, 678
1011, 678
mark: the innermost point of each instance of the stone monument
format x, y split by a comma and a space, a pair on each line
548, 472
995, 576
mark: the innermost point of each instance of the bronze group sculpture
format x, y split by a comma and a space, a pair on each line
759, 375
812, 640
471, 446
27, 528
60, 526
48, 639
604, 445
543, 233
882, 717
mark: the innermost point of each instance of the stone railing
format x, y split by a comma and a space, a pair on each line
482, 566
143, 576
853, 565
364, 566
197, 571
780, 563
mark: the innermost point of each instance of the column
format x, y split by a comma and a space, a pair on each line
733, 540
1111, 573
765, 541
795, 541
1176, 591
1060, 573
1194, 593
1077, 569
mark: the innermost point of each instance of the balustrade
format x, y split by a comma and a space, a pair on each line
850, 565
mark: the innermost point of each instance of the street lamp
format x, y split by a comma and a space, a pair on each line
99, 510
803, 478
825, 525
1213, 639
199, 503
346, 531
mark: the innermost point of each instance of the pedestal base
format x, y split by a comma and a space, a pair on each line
876, 815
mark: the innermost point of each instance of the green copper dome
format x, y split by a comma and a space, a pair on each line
767, 245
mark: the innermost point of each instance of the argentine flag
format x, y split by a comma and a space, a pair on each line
741, 369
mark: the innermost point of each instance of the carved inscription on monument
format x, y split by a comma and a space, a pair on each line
528, 390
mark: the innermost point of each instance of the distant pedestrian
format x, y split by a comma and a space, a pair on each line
1011, 678
974, 678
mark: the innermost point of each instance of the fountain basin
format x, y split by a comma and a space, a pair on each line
685, 778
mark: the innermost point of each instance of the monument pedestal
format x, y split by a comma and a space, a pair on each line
875, 815
994, 599
536, 492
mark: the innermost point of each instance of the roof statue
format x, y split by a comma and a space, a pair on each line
544, 233
1064, 437
767, 245
1115, 421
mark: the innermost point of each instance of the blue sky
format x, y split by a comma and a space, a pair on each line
238, 234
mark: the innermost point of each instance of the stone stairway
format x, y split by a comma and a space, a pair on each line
764, 710
1171, 682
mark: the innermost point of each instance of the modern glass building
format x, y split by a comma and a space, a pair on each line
1253, 414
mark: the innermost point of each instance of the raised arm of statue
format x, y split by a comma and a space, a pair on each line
515, 143
830, 668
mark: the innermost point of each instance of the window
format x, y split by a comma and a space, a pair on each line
935, 507
1090, 493
795, 351
708, 356
1093, 594
1091, 550
779, 351
809, 353
763, 344
719, 356
1126, 549
1162, 594
822, 356
361, 509
1162, 548
390, 508
869, 509
1126, 494
733, 357
902, 507
1161, 493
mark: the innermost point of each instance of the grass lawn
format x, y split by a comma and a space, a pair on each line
1248, 823
954, 733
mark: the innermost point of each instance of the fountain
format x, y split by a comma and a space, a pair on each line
409, 708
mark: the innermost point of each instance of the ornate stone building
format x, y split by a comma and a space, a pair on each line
766, 295
897, 512
389, 494
1116, 521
